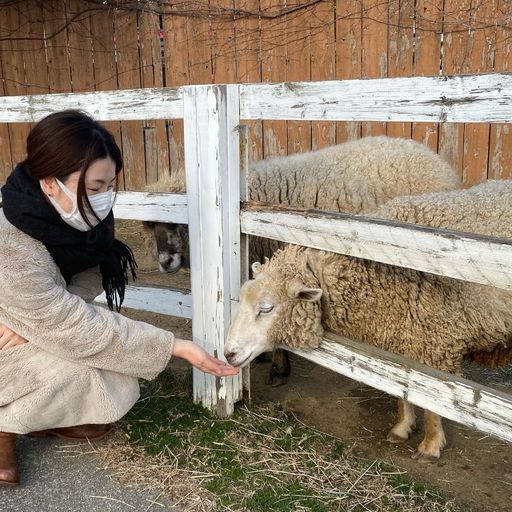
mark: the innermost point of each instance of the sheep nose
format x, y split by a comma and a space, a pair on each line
229, 356
165, 259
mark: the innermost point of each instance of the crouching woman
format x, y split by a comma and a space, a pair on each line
69, 368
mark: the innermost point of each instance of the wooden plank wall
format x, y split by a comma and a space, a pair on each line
62, 46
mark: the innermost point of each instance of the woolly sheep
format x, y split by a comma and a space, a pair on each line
167, 242
434, 320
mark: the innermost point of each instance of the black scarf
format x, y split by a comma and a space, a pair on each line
26, 207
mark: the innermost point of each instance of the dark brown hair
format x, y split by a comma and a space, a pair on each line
66, 142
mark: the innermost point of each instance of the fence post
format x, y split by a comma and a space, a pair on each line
212, 162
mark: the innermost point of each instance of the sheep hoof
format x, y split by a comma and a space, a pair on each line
280, 368
276, 380
395, 438
425, 458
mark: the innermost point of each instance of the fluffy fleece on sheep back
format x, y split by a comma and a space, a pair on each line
484, 209
356, 176
352, 177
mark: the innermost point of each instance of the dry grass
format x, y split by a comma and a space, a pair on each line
260, 460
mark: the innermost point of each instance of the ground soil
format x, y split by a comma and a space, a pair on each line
474, 469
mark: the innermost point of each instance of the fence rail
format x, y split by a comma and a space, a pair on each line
452, 397
476, 258
485, 98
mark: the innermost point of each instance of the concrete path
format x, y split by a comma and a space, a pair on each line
54, 479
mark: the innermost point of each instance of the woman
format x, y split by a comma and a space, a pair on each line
68, 368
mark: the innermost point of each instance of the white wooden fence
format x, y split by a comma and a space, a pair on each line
212, 116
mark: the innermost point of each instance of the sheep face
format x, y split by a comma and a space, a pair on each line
273, 312
168, 244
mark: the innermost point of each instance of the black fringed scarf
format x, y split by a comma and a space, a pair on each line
26, 207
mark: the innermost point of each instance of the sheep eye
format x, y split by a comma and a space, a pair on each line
265, 308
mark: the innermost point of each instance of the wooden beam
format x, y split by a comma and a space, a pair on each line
452, 397
119, 105
485, 98
165, 301
466, 256
151, 206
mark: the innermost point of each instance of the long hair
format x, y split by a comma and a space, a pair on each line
67, 142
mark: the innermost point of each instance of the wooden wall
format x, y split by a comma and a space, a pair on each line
74, 45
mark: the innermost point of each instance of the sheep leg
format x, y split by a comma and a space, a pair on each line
434, 440
280, 368
405, 424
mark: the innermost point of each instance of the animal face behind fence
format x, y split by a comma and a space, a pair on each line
273, 314
169, 245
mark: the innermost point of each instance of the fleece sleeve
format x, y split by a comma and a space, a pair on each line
37, 307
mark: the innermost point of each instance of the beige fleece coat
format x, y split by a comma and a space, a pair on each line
82, 362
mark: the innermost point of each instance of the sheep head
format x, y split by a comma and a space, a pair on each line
280, 306
168, 244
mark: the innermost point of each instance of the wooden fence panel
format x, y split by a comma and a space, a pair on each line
323, 64
104, 68
348, 57
481, 42
177, 72
427, 56
57, 55
299, 53
273, 69
400, 52
500, 143
454, 60
132, 135
6, 162
152, 75
223, 50
14, 79
34, 55
374, 51
247, 43
80, 48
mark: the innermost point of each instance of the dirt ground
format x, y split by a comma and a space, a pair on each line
474, 469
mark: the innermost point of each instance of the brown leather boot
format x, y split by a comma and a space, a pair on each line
78, 433
8, 469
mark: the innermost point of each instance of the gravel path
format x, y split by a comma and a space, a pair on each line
57, 478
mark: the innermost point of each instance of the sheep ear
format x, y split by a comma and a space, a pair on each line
310, 294
256, 269
298, 290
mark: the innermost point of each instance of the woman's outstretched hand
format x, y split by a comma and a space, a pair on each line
9, 339
200, 359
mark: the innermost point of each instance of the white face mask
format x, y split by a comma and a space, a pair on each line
101, 204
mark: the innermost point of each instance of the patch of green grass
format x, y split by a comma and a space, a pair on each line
406, 485
264, 459
283, 498
339, 448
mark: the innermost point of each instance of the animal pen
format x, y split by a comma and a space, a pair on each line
219, 221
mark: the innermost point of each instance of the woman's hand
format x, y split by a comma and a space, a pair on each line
200, 359
9, 339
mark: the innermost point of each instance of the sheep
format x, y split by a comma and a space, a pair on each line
167, 242
300, 293
354, 177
